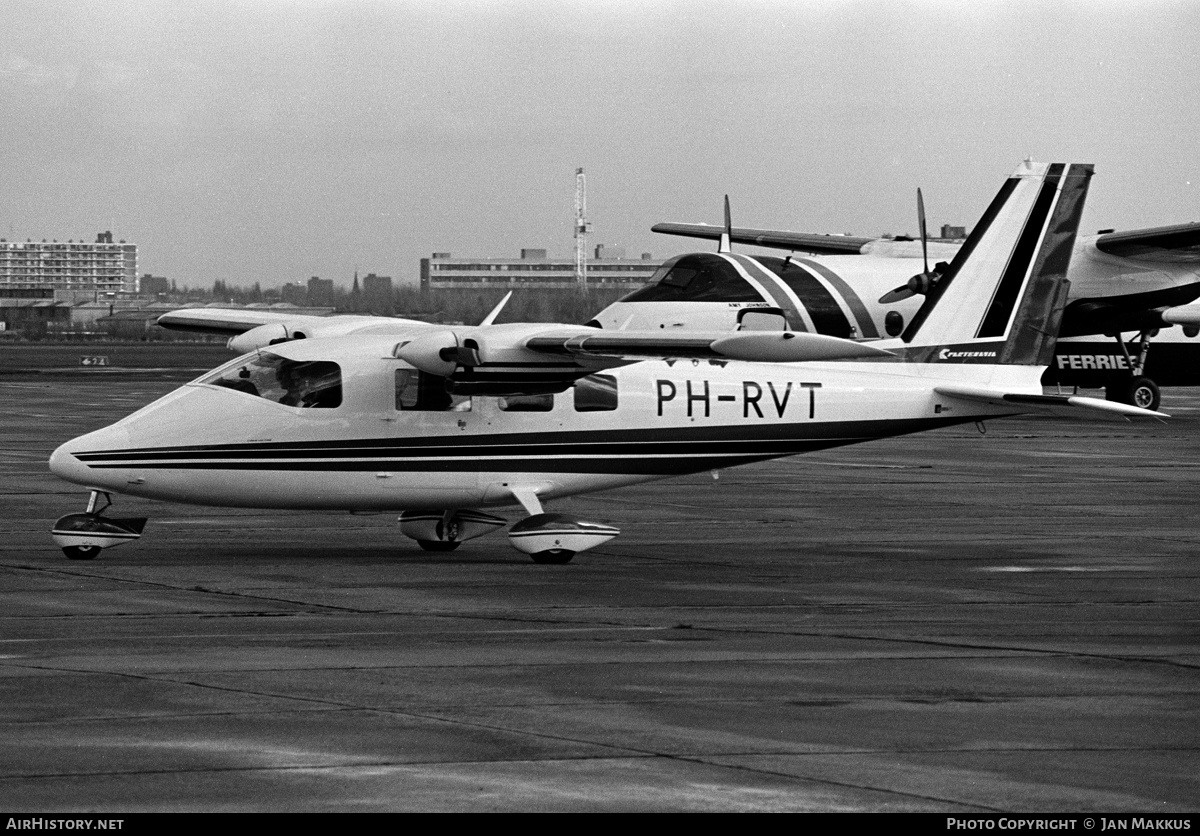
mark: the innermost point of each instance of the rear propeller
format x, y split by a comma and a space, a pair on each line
924, 281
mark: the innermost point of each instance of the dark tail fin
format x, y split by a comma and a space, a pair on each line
1001, 300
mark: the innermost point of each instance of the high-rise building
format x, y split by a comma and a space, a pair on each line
100, 266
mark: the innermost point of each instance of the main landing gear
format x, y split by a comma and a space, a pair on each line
1136, 389
546, 538
443, 531
82, 536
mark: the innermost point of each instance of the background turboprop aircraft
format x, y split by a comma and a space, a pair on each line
1138, 281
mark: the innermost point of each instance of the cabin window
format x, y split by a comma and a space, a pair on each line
416, 390
527, 403
305, 384
596, 393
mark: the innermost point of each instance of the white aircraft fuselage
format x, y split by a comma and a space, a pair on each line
209, 444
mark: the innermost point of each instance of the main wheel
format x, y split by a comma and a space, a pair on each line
438, 545
81, 552
1140, 391
1144, 392
555, 556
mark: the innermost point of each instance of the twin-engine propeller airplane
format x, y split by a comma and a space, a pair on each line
1139, 281
442, 422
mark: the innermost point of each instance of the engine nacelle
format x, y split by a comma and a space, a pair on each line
1182, 315
436, 353
493, 360
264, 335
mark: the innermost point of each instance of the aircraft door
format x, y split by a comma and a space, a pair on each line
429, 418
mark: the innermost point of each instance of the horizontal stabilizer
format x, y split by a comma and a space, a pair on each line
1059, 404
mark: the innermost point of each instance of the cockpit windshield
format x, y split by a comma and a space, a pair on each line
697, 277
312, 383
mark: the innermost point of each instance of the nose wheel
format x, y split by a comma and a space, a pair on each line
83, 536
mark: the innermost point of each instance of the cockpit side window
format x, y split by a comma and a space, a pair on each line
416, 390
308, 384
699, 277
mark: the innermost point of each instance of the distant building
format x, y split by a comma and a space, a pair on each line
533, 271
953, 232
320, 292
604, 251
377, 286
376, 294
31, 312
153, 285
100, 266
294, 294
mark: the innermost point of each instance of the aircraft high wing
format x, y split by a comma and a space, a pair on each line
864, 288
251, 329
440, 422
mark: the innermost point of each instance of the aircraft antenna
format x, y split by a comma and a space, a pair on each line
581, 230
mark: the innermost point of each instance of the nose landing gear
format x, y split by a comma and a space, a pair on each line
82, 536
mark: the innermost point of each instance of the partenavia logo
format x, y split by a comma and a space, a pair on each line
948, 354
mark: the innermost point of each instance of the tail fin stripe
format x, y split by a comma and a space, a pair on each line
980, 229
1000, 311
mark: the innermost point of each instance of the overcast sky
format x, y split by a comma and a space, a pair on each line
273, 141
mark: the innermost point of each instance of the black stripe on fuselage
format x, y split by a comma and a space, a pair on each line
866, 325
775, 289
999, 313
960, 258
666, 452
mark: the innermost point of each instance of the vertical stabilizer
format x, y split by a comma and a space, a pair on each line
1001, 300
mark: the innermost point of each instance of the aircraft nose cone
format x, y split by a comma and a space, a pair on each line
66, 465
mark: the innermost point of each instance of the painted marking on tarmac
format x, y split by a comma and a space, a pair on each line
1063, 569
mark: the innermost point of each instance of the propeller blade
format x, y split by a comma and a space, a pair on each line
898, 295
924, 234
725, 246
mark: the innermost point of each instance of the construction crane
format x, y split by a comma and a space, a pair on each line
581, 230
